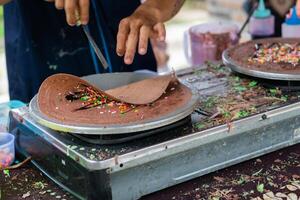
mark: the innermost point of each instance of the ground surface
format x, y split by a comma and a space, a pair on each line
277, 173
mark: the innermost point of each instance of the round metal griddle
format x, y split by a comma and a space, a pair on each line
105, 82
257, 73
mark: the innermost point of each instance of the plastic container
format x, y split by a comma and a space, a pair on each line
7, 149
262, 23
291, 26
4, 110
206, 42
4, 113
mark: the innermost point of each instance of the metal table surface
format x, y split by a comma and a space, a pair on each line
239, 181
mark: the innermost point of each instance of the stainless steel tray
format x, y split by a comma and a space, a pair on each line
108, 81
256, 73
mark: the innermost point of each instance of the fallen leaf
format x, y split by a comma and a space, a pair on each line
281, 195
277, 161
39, 185
292, 196
270, 194
260, 188
265, 197
256, 198
241, 181
291, 188
42, 192
258, 172
296, 185
26, 195
6, 172
219, 179
14, 177
282, 187
295, 176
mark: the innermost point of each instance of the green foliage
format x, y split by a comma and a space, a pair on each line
242, 113
1, 22
199, 125
260, 187
240, 88
210, 102
252, 84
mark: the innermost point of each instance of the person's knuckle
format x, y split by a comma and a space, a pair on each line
84, 17
134, 26
58, 6
142, 44
138, 21
133, 34
70, 7
124, 22
143, 37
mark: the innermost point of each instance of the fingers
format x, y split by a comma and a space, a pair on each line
75, 9
133, 33
160, 31
122, 36
143, 40
131, 44
84, 6
59, 4
71, 6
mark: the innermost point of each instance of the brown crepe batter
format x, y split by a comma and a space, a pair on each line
151, 90
241, 53
53, 103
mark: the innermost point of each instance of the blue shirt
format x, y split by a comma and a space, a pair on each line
39, 43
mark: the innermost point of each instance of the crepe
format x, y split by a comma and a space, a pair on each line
243, 53
143, 100
142, 92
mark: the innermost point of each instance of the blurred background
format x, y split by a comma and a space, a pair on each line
194, 12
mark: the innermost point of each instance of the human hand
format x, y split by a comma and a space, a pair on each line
73, 8
136, 30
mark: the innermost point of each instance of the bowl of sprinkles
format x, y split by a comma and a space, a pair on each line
7, 150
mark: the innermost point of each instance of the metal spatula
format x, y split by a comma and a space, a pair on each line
95, 47
92, 42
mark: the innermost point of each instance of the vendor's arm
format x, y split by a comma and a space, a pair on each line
146, 22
